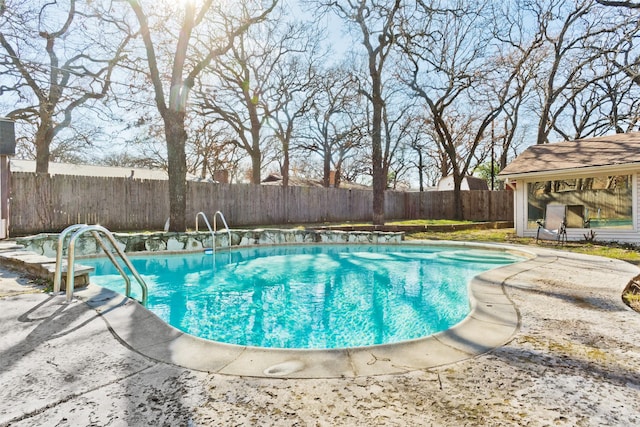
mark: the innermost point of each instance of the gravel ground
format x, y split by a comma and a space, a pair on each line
575, 361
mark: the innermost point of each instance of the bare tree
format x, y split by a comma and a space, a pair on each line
185, 57
609, 104
398, 118
408, 146
356, 167
465, 85
335, 123
123, 159
249, 86
419, 142
59, 58
293, 93
576, 33
376, 23
234, 98
210, 149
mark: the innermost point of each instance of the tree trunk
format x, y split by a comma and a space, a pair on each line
42, 151
379, 177
420, 171
256, 153
44, 136
457, 197
256, 162
177, 163
379, 186
284, 170
326, 170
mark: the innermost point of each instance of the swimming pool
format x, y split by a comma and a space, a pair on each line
320, 296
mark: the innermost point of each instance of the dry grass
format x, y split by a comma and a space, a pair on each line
623, 252
632, 300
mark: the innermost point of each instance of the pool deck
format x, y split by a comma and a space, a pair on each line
549, 342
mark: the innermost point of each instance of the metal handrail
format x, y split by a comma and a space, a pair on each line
206, 221
215, 227
127, 281
95, 231
224, 221
57, 277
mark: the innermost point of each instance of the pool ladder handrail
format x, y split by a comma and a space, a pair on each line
57, 276
95, 230
214, 230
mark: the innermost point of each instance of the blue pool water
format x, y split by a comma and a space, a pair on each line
320, 296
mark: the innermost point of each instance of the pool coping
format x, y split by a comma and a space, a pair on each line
492, 322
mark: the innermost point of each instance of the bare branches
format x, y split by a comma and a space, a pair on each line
194, 49
450, 70
627, 4
64, 28
584, 34
335, 127
60, 61
378, 24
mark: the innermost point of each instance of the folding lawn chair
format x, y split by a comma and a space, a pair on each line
554, 226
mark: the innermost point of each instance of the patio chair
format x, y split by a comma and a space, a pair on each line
554, 226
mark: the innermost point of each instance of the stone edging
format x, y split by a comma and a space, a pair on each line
46, 243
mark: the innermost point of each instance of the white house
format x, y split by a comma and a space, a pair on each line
595, 179
468, 183
94, 170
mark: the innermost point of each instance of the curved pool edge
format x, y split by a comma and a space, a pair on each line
492, 322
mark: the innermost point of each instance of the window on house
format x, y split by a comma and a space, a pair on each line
591, 202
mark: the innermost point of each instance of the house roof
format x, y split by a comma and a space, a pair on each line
93, 170
612, 150
477, 183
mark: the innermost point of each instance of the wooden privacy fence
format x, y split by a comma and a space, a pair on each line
49, 203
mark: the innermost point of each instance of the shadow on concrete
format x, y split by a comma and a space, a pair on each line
561, 360
156, 394
53, 319
133, 390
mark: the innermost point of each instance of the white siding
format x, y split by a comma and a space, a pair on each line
520, 208
602, 235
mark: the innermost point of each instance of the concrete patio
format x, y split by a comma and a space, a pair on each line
573, 358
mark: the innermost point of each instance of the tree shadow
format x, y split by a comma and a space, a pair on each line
155, 391
152, 393
53, 319
570, 296
574, 357
566, 360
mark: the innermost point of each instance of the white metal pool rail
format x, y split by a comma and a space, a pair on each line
215, 227
95, 230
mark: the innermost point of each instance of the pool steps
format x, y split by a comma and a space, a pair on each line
15, 256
